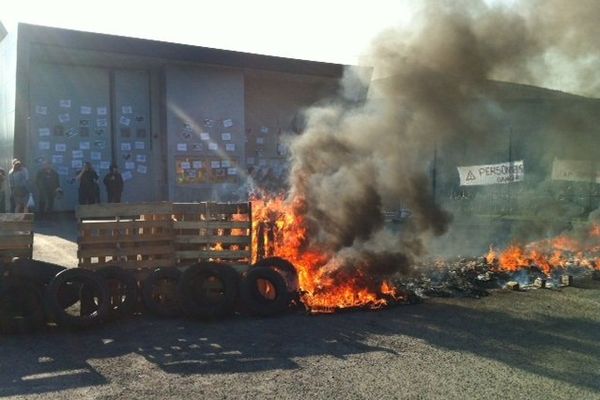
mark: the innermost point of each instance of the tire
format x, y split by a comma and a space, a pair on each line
123, 290
258, 303
34, 270
194, 286
88, 285
21, 306
285, 268
162, 304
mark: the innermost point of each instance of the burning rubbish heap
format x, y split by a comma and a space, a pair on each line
359, 156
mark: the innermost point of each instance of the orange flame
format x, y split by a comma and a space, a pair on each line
279, 229
551, 254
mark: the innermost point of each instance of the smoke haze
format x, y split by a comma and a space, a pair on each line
357, 158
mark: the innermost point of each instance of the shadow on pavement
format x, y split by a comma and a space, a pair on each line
58, 360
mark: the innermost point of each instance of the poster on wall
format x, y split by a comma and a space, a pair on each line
200, 170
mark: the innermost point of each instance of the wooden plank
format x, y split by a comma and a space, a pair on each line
228, 208
15, 217
8, 227
205, 254
17, 242
124, 251
122, 209
189, 239
189, 208
144, 238
131, 265
125, 224
211, 224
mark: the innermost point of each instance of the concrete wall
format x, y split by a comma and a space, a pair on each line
204, 125
8, 72
274, 103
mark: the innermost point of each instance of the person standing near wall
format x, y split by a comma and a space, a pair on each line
48, 185
88, 185
114, 184
2, 190
18, 178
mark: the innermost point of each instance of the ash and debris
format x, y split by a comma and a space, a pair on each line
476, 278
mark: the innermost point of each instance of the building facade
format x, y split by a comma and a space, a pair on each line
183, 123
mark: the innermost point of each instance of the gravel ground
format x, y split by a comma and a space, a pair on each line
539, 344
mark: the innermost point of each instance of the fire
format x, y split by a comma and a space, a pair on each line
550, 254
279, 229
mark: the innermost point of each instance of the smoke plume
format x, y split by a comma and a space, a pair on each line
357, 158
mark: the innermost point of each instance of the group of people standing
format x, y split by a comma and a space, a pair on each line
48, 187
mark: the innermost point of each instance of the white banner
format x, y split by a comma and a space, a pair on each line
491, 174
575, 170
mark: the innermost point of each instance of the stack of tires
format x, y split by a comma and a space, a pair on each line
34, 293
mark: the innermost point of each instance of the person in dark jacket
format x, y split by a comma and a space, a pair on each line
88, 185
114, 184
48, 186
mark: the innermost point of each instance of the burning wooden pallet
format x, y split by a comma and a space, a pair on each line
212, 231
16, 236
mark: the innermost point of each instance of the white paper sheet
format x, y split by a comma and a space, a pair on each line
127, 175
227, 123
42, 110
129, 165
181, 146
140, 158
230, 147
84, 145
60, 147
44, 131
225, 163
126, 110
197, 164
215, 164
142, 169
64, 103
231, 171
76, 164
264, 129
185, 165
101, 122
57, 159
44, 145
84, 110
140, 145
101, 110
62, 118
225, 136
125, 146
104, 165
204, 136
213, 146
77, 154
96, 155
124, 120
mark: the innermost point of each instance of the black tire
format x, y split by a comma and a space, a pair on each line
194, 287
34, 270
285, 268
21, 306
257, 302
89, 286
163, 304
123, 290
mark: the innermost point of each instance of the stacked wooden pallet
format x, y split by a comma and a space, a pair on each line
16, 236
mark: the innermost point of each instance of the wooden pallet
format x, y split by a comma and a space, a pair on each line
212, 232
16, 236
132, 236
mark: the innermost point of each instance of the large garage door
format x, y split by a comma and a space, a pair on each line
132, 136
70, 123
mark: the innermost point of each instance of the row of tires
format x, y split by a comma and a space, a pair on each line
34, 293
